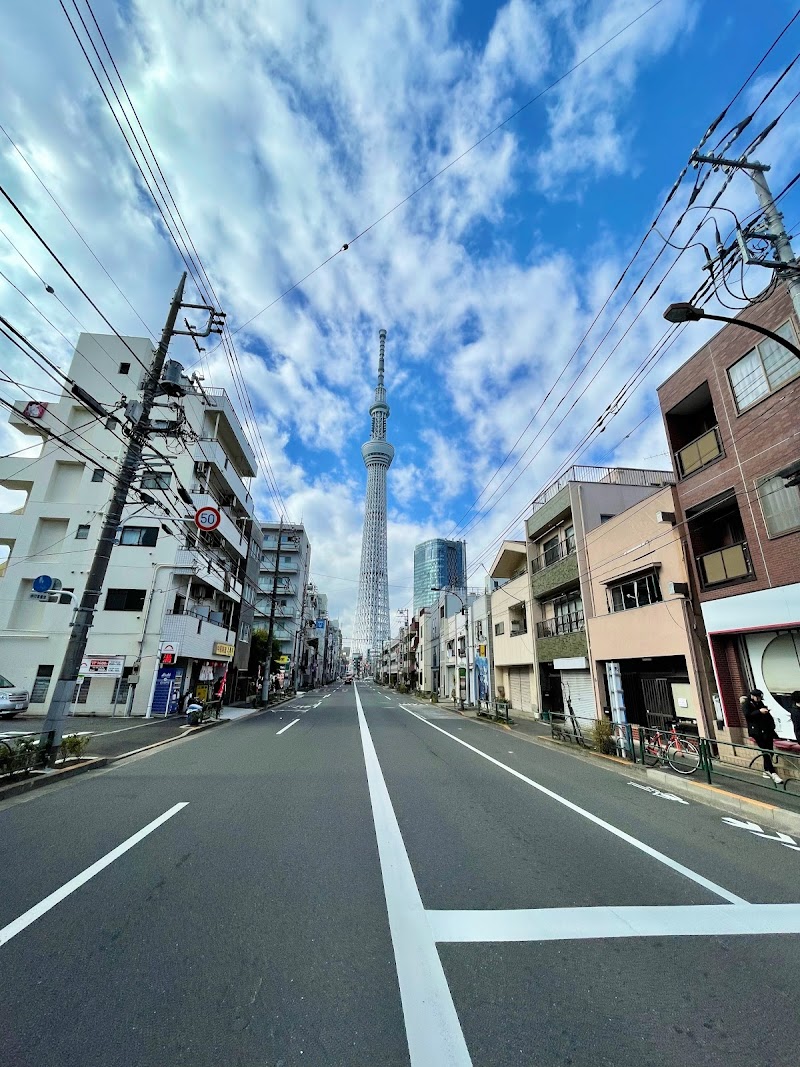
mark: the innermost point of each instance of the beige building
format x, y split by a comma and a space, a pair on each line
645, 640
512, 633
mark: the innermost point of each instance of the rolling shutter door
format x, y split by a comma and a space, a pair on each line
577, 685
515, 689
525, 689
519, 684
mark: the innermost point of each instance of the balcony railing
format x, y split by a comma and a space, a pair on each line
553, 554
699, 453
611, 475
572, 623
725, 565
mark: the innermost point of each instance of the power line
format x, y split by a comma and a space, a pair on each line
80, 236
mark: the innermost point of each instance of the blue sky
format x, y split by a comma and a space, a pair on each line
287, 129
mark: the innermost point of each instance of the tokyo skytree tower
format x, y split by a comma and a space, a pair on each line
372, 613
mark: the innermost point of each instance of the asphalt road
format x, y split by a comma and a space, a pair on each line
386, 884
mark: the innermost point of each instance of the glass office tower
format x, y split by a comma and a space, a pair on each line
438, 563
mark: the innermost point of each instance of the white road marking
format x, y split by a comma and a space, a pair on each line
567, 924
756, 831
108, 733
285, 728
434, 1034
658, 792
718, 890
49, 902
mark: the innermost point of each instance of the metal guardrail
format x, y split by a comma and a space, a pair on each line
682, 753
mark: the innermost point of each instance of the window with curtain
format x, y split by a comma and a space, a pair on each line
780, 505
763, 370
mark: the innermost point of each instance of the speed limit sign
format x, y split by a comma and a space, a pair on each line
207, 518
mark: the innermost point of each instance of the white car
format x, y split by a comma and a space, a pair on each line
13, 700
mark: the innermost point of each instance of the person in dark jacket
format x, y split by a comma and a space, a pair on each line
761, 727
794, 711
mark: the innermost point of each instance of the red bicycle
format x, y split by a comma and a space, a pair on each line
682, 755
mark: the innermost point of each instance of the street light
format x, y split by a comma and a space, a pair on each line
447, 589
686, 312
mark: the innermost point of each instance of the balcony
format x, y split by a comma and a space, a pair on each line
196, 636
571, 623
610, 475
229, 427
555, 576
699, 452
215, 574
729, 564
553, 554
208, 451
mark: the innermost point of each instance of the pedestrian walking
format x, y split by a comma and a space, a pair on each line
761, 727
794, 711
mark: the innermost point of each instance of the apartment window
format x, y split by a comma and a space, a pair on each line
780, 505
249, 594
244, 632
479, 628
44, 672
146, 536
121, 688
634, 593
125, 600
763, 370
499, 628
81, 691
569, 537
124, 368
550, 550
156, 480
98, 474
82, 533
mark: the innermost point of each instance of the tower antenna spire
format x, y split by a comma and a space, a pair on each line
371, 627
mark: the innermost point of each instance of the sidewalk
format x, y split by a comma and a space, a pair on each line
731, 793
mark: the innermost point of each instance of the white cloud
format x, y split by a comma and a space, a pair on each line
284, 130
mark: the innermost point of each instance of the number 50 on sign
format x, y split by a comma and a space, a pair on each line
207, 518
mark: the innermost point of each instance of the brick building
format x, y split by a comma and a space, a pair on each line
731, 417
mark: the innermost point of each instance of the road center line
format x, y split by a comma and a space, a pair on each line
434, 1034
45, 905
285, 728
718, 890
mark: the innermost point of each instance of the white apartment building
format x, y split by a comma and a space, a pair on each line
169, 616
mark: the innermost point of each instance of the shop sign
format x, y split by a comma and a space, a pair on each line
221, 649
99, 666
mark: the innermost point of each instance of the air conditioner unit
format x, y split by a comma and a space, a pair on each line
678, 588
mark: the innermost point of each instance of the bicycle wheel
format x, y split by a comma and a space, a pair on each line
651, 753
683, 757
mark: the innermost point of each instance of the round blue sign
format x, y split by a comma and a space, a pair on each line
42, 583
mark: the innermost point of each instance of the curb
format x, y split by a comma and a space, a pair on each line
732, 803
192, 731
769, 815
91, 763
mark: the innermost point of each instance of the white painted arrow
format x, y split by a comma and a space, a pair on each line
753, 827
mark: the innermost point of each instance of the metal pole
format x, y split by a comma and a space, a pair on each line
783, 246
772, 216
50, 737
270, 631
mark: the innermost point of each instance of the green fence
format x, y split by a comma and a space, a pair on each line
683, 753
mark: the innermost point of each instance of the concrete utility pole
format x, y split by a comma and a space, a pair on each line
266, 680
786, 264
61, 701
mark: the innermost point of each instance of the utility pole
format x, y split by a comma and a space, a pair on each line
61, 702
786, 263
266, 680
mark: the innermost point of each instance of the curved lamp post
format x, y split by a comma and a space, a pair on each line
686, 312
